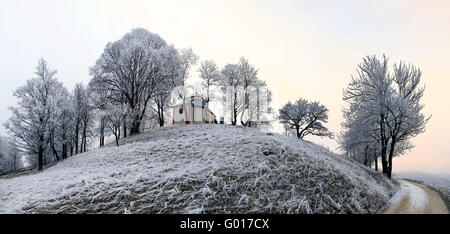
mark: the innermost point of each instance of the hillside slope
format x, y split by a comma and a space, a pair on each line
201, 169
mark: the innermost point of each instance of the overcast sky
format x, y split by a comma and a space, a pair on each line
305, 49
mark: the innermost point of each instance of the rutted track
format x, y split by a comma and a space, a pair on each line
414, 198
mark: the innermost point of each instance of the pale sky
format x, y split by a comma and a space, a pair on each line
305, 49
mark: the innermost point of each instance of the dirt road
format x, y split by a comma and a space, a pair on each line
414, 198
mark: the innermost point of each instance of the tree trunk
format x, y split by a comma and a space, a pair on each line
376, 164
85, 144
235, 109
161, 116
77, 136
391, 155
124, 126
64, 145
389, 172
383, 146
55, 152
64, 151
365, 156
135, 127
102, 131
15, 161
41, 150
383, 159
298, 132
117, 134
76, 146
83, 141
41, 158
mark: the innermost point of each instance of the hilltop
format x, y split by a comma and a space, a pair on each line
201, 169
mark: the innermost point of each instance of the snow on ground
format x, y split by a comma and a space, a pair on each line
418, 197
201, 169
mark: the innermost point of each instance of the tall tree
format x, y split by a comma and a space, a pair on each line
187, 59
65, 126
248, 76
132, 69
210, 75
79, 104
37, 103
392, 102
99, 101
230, 83
175, 72
114, 119
61, 126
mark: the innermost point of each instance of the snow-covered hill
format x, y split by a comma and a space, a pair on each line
201, 169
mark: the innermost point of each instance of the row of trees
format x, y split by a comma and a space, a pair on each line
48, 119
383, 112
132, 83
246, 98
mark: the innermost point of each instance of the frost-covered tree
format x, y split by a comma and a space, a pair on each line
368, 95
65, 126
390, 101
210, 75
31, 120
99, 100
174, 77
305, 118
359, 141
405, 119
114, 120
230, 79
61, 126
261, 109
248, 76
246, 96
86, 120
132, 70
82, 117
187, 59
